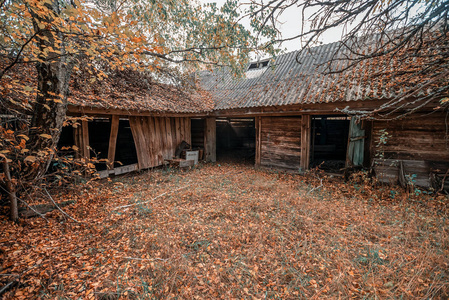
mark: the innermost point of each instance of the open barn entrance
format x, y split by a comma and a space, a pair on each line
125, 152
329, 142
236, 140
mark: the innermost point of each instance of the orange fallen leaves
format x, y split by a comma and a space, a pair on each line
235, 233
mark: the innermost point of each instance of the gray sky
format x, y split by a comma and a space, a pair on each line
290, 26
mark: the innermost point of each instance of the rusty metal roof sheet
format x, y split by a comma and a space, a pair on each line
304, 77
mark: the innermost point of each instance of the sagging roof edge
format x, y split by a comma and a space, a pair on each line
291, 109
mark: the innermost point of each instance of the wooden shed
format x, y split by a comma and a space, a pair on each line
306, 117
283, 114
134, 123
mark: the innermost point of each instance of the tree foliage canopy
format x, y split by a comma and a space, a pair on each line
164, 38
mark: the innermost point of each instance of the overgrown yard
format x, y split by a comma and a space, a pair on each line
229, 232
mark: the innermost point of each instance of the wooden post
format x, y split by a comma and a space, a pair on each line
113, 141
258, 123
305, 142
188, 130
77, 141
85, 139
210, 140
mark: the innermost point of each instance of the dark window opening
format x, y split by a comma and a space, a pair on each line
125, 152
259, 64
329, 142
236, 140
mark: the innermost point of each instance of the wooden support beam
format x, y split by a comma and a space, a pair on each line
305, 142
258, 140
210, 140
113, 141
78, 142
85, 139
188, 131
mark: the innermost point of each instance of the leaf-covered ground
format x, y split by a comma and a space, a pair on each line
230, 232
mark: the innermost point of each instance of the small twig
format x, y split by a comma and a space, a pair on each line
35, 211
316, 188
443, 180
18, 276
163, 194
57, 206
7, 286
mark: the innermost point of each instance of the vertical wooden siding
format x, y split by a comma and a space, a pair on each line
210, 140
280, 142
418, 145
156, 138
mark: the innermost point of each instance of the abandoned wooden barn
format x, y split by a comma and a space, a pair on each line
282, 114
300, 112
131, 123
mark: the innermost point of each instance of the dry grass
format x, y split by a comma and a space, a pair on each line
233, 232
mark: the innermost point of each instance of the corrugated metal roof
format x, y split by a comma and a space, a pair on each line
304, 77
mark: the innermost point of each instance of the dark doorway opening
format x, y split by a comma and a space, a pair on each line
99, 131
125, 152
329, 142
236, 140
197, 132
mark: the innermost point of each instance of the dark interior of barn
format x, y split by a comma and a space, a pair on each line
236, 140
125, 152
329, 142
197, 132
99, 131
99, 140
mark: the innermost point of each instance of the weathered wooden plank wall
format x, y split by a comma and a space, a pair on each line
305, 142
280, 142
210, 140
156, 138
421, 143
414, 138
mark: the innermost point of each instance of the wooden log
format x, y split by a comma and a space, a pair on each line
113, 141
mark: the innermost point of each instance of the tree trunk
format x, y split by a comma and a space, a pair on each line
10, 189
50, 107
